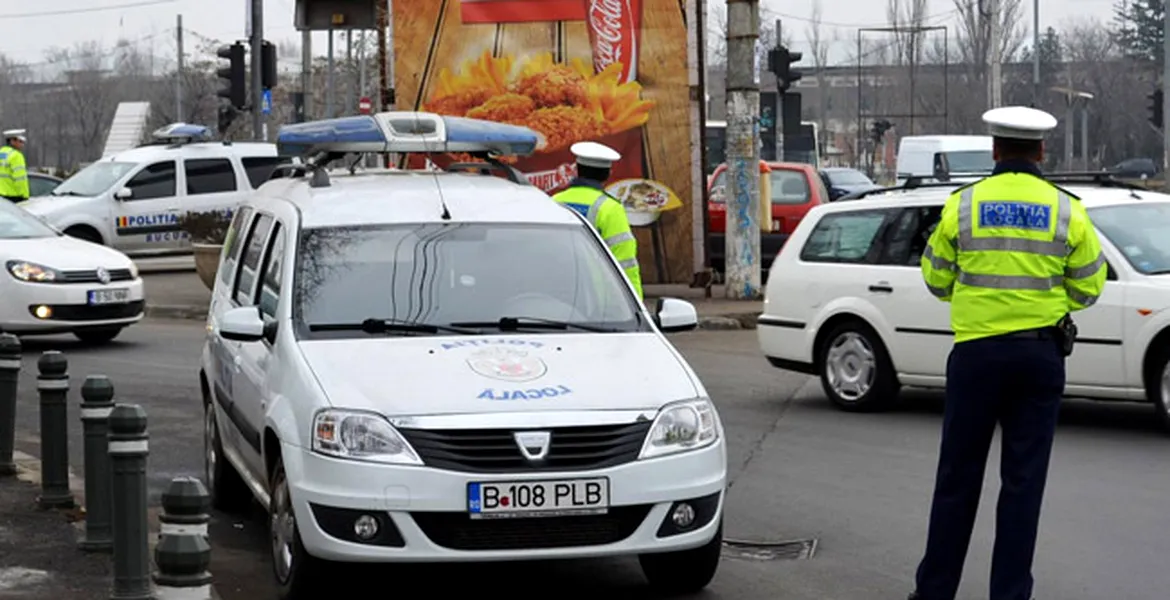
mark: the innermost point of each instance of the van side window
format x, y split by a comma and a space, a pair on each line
233, 242
154, 181
245, 292
846, 237
209, 176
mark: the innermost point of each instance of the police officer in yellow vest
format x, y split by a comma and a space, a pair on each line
13, 172
1014, 255
586, 195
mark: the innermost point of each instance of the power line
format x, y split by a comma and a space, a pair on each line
88, 9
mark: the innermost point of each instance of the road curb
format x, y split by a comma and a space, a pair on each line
164, 311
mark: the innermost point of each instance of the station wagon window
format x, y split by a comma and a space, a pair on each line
234, 242
259, 168
209, 176
905, 239
154, 181
273, 271
844, 237
253, 252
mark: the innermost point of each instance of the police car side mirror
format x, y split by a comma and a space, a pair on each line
242, 324
672, 315
123, 193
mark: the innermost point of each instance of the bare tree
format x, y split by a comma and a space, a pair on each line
818, 47
905, 17
717, 34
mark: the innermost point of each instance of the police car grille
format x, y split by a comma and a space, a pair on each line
458, 531
92, 277
495, 450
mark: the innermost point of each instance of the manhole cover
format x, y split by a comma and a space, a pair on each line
790, 550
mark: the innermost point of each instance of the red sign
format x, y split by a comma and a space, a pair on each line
365, 105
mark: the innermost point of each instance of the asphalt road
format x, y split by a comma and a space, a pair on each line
858, 484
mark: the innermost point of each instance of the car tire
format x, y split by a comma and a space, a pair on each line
855, 368
686, 571
297, 572
88, 234
227, 489
1158, 384
98, 335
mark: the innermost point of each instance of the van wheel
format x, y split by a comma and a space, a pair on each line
296, 571
684, 572
83, 232
856, 371
1158, 384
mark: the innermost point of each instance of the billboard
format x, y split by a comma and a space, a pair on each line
609, 71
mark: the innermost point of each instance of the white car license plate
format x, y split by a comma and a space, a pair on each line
117, 296
538, 498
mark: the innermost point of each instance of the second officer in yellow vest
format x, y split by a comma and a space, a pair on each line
13, 171
1014, 255
586, 195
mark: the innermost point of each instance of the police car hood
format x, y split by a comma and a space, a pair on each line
55, 205
472, 374
63, 252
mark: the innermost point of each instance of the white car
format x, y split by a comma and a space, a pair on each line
440, 366
58, 284
845, 299
133, 200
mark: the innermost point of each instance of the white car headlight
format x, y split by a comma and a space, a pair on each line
682, 426
360, 436
133, 270
32, 272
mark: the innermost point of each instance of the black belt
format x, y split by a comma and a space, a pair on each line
1042, 333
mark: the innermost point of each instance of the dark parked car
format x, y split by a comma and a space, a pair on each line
842, 181
40, 184
1135, 168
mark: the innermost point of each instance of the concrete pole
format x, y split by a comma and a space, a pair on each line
1085, 135
179, 69
329, 78
1036, 53
351, 93
994, 75
743, 151
257, 83
307, 71
1069, 130
1165, 96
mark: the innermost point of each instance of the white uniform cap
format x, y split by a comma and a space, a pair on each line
15, 133
592, 154
1019, 122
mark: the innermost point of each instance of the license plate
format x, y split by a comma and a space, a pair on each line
118, 296
538, 498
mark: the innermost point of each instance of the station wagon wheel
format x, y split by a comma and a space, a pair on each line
855, 368
1158, 384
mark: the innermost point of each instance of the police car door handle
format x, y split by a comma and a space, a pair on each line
881, 288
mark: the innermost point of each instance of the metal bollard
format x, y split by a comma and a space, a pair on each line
128, 451
9, 375
183, 552
97, 402
53, 384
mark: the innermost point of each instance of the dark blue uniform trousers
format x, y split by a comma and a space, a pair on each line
1015, 381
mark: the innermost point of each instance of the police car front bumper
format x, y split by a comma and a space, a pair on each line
422, 512
45, 308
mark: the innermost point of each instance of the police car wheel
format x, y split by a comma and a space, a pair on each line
1158, 385
84, 233
855, 368
297, 572
225, 486
686, 571
97, 335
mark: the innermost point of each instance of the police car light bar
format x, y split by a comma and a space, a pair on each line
181, 131
405, 132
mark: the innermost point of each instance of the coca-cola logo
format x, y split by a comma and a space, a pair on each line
613, 28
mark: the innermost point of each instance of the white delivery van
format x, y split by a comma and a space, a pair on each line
944, 158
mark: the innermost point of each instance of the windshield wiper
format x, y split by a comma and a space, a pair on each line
373, 326
1158, 272
517, 323
69, 193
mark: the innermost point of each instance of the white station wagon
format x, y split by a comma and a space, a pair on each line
845, 299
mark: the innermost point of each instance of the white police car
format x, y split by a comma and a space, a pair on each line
133, 200
441, 366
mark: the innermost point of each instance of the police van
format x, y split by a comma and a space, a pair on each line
133, 200
448, 366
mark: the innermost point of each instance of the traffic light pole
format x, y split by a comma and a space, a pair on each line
742, 238
257, 91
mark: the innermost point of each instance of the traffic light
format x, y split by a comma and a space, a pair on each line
1156, 107
878, 130
780, 60
267, 65
233, 75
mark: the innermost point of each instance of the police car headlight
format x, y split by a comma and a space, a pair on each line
680, 427
32, 272
360, 436
133, 270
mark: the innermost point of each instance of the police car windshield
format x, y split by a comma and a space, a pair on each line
444, 273
17, 223
94, 179
1140, 231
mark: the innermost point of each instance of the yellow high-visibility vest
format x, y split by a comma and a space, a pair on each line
608, 216
1012, 252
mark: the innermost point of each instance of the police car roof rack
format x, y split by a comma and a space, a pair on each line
1100, 178
321, 142
177, 135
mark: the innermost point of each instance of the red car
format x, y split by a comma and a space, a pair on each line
796, 188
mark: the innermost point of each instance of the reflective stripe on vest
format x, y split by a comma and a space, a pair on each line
967, 241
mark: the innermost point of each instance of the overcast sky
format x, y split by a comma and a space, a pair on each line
27, 29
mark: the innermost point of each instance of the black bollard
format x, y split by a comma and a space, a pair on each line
183, 552
97, 401
53, 385
128, 451
9, 375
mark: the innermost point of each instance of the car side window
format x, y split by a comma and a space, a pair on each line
718, 193
789, 187
153, 181
847, 237
245, 292
259, 168
233, 242
209, 176
40, 186
905, 239
1110, 274
273, 271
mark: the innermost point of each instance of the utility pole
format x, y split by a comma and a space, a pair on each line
384, 85
1085, 134
350, 95
1165, 97
257, 81
743, 151
1035, 53
179, 69
329, 78
994, 77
